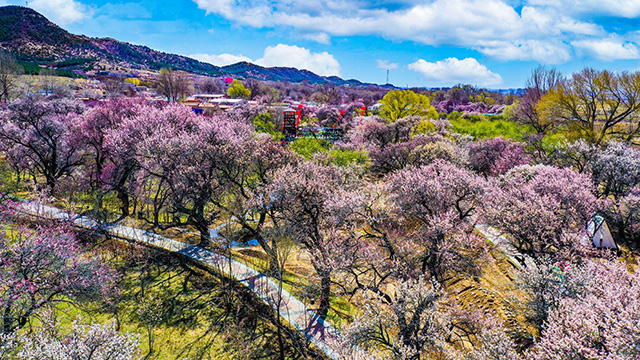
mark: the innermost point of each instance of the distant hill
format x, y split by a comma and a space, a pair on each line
31, 37
276, 73
249, 70
34, 39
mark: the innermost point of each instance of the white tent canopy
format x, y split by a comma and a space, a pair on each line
598, 232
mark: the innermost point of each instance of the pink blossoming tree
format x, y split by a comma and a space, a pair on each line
45, 267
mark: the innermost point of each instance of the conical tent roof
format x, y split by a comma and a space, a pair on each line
599, 232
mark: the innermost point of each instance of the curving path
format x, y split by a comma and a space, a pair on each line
291, 309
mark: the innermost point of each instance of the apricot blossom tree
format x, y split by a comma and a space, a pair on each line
110, 166
41, 132
538, 206
312, 202
433, 203
599, 321
496, 156
45, 267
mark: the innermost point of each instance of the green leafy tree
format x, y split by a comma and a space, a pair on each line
237, 90
398, 104
262, 123
424, 127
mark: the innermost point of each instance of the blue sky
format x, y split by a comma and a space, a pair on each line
490, 43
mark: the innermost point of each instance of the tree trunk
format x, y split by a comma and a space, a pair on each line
51, 184
281, 345
156, 216
124, 201
270, 249
151, 340
325, 294
274, 263
205, 235
7, 320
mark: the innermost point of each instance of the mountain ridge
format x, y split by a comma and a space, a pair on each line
31, 37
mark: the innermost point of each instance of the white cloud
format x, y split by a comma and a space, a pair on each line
322, 38
386, 65
540, 30
621, 8
552, 22
344, 17
549, 52
451, 71
220, 60
281, 55
607, 49
222, 7
61, 12
293, 56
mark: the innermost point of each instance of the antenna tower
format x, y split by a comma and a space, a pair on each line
387, 76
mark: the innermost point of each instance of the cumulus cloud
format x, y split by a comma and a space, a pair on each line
451, 71
344, 17
293, 56
607, 49
386, 65
321, 38
281, 55
220, 60
549, 21
553, 52
620, 8
540, 30
61, 12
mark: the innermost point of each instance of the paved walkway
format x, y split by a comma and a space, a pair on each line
291, 309
495, 237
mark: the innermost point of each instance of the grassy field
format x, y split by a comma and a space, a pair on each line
180, 311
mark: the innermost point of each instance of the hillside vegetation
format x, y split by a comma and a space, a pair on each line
423, 229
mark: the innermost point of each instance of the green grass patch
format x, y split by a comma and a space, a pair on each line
490, 128
307, 147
